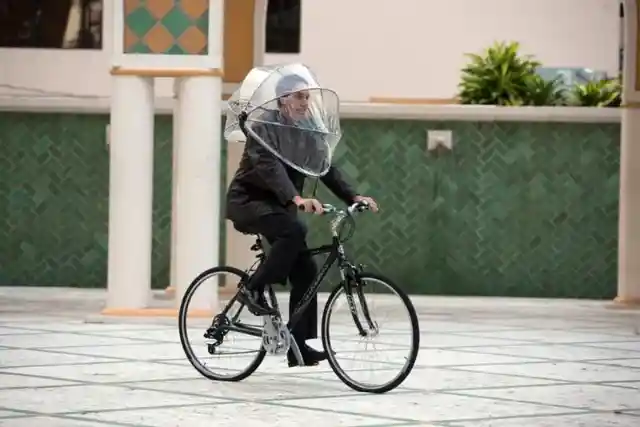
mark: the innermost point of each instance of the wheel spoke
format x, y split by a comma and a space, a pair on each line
229, 348
392, 340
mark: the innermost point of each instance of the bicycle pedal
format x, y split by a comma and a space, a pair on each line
273, 318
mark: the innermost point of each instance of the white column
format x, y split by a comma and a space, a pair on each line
629, 220
198, 185
130, 192
174, 171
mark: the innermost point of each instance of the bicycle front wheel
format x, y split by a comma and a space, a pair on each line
377, 318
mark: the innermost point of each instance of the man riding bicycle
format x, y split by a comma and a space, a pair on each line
290, 136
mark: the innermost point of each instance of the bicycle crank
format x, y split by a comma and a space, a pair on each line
276, 338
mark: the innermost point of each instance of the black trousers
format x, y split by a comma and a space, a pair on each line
287, 258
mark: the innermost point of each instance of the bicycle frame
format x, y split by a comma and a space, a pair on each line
349, 273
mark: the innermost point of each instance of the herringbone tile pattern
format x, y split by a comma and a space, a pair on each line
514, 209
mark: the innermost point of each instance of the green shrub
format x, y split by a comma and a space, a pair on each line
542, 92
501, 76
600, 93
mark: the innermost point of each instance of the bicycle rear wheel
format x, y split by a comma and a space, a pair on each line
209, 334
361, 324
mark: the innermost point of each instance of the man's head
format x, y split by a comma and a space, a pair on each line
293, 96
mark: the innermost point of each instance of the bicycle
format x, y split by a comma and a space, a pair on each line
275, 335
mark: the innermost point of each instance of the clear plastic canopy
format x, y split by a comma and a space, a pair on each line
290, 114
239, 102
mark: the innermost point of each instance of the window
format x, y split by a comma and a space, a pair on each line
572, 76
283, 26
622, 29
59, 24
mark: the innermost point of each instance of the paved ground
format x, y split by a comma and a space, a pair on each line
483, 362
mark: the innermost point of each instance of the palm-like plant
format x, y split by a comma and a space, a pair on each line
545, 92
599, 93
498, 77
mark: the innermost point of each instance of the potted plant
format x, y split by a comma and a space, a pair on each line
501, 76
543, 92
598, 93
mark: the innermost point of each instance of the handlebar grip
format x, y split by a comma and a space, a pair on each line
301, 208
361, 205
325, 207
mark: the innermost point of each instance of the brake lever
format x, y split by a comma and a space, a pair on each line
359, 206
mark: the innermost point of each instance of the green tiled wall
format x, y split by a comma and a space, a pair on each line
526, 209
517, 209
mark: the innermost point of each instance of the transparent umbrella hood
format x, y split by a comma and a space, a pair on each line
289, 114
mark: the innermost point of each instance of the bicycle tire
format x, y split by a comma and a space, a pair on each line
415, 329
182, 319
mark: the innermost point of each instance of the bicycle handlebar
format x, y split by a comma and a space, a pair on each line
359, 206
342, 215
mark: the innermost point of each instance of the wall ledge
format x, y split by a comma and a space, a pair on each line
353, 110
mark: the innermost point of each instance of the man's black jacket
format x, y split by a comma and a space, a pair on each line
263, 184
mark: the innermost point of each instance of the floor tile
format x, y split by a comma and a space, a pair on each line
49, 422
229, 415
426, 407
16, 358
583, 420
556, 351
566, 371
60, 339
582, 396
8, 380
112, 372
90, 398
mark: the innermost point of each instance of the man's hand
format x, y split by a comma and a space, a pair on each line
308, 205
372, 203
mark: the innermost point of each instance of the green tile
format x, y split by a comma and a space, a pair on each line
176, 22
175, 50
139, 47
203, 23
140, 21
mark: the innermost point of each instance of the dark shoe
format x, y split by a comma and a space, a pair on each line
310, 356
256, 302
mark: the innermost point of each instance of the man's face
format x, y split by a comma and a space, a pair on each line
296, 104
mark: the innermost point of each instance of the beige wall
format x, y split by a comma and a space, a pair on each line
403, 48
414, 48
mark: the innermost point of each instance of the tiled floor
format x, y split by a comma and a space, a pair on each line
483, 362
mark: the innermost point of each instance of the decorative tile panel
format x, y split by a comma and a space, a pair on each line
170, 27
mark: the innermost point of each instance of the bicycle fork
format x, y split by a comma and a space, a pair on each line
351, 280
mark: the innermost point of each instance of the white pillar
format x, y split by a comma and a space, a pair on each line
629, 220
130, 192
198, 185
174, 171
